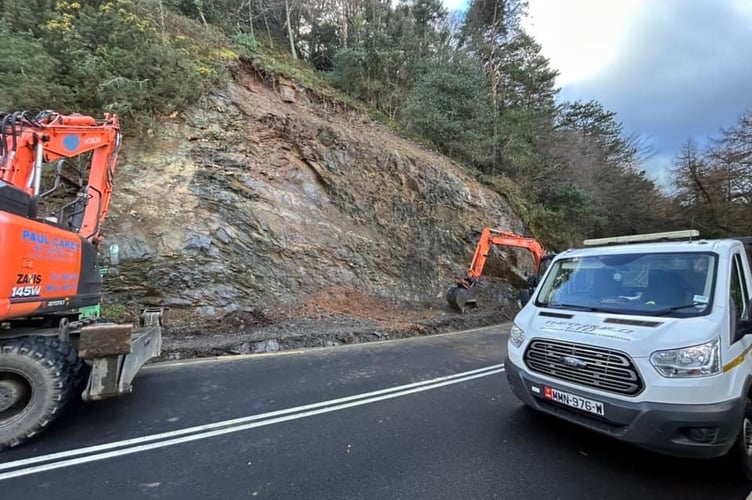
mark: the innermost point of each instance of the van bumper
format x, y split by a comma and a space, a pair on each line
692, 431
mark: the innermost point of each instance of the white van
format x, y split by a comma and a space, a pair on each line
646, 339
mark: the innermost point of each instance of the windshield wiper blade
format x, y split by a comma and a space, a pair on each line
572, 306
676, 308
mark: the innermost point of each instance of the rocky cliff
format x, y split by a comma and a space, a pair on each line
267, 203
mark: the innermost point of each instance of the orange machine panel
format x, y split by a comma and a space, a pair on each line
40, 265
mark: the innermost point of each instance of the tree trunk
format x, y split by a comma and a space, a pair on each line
250, 17
266, 23
289, 30
494, 89
161, 19
343, 30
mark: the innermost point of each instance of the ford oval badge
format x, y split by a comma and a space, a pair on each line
572, 362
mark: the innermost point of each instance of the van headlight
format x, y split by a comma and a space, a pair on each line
516, 336
696, 361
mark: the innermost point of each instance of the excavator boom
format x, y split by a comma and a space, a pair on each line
490, 238
28, 142
461, 293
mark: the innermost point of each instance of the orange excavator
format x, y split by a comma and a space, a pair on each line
54, 345
461, 294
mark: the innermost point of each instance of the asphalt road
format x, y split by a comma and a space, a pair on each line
427, 418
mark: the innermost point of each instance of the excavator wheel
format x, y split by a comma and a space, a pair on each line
459, 297
36, 379
78, 369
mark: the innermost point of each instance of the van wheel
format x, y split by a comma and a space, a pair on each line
741, 453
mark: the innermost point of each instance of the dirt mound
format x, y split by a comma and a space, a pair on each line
348, 301
248, 318
391, 316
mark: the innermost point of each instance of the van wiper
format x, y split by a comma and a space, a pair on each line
572, 306
676, 308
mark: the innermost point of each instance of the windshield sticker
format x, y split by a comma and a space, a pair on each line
700, 299
613, 332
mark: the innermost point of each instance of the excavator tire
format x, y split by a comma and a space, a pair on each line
36, 379
458, 297
78, 369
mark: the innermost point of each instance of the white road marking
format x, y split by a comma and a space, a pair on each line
134, 445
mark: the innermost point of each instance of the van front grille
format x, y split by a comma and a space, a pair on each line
603, 369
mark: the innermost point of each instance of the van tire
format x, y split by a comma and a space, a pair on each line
741, 452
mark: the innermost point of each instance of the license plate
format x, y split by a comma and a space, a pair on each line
574, 401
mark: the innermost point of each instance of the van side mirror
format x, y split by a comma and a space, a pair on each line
524, 296
743, 326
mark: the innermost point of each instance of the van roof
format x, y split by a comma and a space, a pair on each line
701, 245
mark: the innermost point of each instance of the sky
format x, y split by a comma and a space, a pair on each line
670, 69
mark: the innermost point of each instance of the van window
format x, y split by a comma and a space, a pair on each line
739, 288
673, 284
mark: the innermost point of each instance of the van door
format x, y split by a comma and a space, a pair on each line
739, 296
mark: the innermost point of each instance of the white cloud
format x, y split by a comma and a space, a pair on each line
670, 69
581, 37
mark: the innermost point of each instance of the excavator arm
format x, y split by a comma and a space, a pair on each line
490, 238
27, 142
461, 294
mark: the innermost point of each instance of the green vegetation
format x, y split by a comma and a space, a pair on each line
476, 86
119, 313
106, 56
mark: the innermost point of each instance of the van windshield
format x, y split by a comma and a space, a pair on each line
670, 284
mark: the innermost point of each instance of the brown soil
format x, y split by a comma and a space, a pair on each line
334, 316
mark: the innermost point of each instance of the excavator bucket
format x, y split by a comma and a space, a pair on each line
459, 298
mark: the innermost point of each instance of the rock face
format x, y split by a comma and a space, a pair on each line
257, 199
